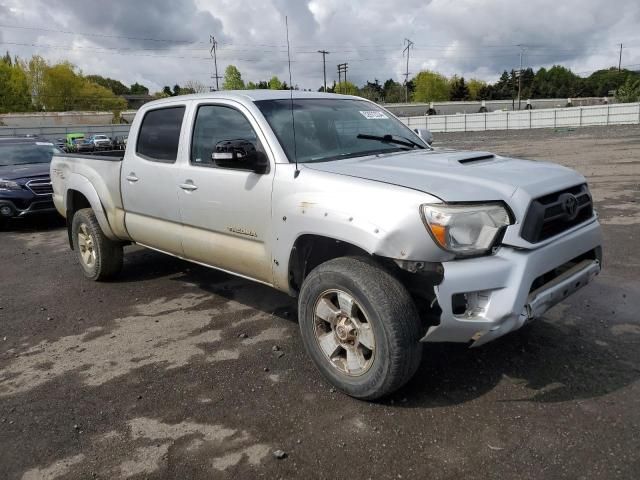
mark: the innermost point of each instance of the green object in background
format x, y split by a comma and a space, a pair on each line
70, 140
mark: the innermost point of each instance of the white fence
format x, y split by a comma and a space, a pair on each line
617, 114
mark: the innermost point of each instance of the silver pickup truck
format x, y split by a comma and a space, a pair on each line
386, 242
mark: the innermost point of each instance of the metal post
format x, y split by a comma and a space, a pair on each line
507, 119
554, 117
608, 107
580, 121
445, 124
465, 122
485, 122
529, 119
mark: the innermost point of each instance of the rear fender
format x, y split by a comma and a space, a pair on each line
83, 185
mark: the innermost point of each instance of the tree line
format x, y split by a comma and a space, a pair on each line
37, 85
429, 86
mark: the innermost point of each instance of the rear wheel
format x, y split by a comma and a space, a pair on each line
360, 327
100, 257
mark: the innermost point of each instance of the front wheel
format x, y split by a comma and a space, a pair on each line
360, 327
100, 257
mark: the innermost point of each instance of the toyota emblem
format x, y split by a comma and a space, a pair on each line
570, 205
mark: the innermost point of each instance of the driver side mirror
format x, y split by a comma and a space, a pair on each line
425, 135
240, 154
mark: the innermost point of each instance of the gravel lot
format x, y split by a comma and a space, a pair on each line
171, 372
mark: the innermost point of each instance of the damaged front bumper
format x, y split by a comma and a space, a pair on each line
484, 298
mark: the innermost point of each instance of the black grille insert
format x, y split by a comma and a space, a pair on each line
554, 213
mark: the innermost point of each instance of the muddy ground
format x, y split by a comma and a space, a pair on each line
151, 376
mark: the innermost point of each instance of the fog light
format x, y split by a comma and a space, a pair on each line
471, 304
6, 210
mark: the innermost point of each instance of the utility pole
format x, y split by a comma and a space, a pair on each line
522, 48
406, 75
212, 52
342, 68
324, 67
620, 60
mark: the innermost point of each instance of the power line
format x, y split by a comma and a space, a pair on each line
91, 34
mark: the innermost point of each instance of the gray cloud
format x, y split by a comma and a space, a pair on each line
467, 37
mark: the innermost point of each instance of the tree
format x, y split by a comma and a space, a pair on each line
603, 82
232, 79
477, 89
393, 92
137, 89
96, 97
630, 91
194, 86
61, 87
430, 87
65, 90
372, 91
115, 86
35, 70
557, 82
275, 83
166, 91
14, 88
346, 88
458, 89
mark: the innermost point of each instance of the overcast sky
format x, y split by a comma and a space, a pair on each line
163, 42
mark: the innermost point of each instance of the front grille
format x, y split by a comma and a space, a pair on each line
41, 186
553, 214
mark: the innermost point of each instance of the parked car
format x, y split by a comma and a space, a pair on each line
387, 243
25, 185
84, 145
120, 142
71, 140
101, 142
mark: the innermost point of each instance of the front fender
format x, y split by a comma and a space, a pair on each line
381, 219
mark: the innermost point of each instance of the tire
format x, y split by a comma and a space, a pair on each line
341, 345
100, 258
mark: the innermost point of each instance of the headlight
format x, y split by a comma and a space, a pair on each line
9, 185
465, 229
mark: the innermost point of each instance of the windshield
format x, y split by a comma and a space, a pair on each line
330, 129
23, 153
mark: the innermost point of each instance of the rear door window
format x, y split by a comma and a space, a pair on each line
159, 134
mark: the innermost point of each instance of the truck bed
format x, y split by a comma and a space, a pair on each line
97, 177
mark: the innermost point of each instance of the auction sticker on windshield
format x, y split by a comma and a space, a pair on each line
373, 114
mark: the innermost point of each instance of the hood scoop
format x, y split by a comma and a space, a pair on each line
477, 159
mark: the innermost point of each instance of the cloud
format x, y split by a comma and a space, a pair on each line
467, 37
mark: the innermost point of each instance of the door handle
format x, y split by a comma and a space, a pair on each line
189, 187
132, 177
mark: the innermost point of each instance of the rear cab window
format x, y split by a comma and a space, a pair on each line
159, 134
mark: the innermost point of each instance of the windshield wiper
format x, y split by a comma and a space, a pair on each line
388, 138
